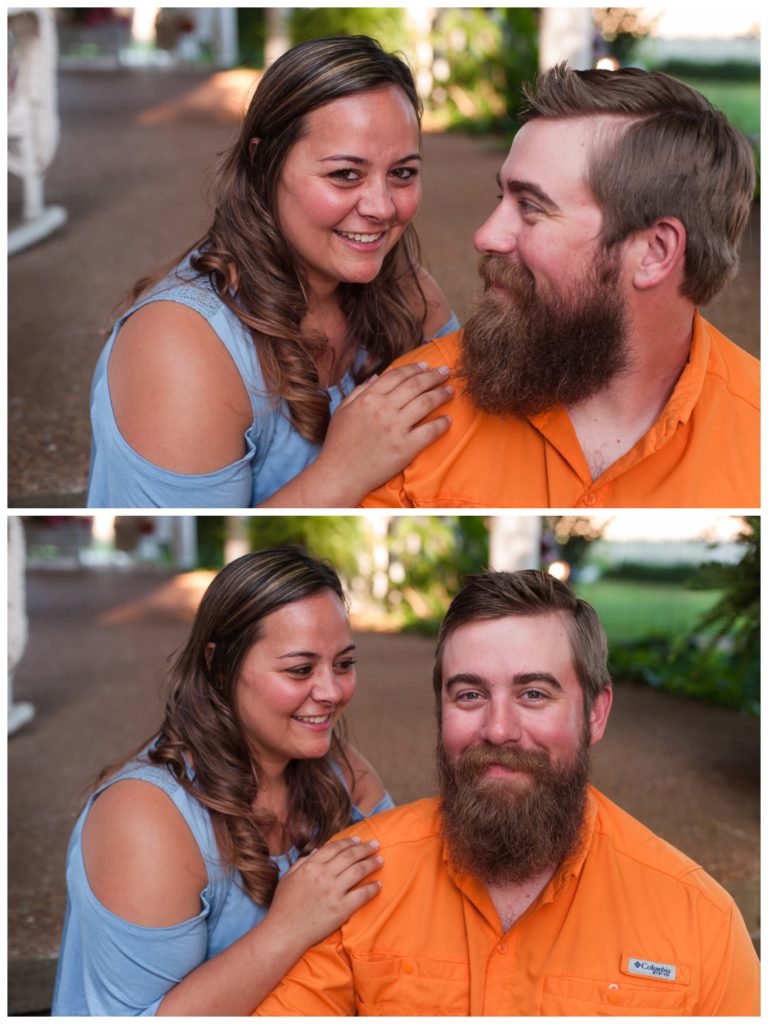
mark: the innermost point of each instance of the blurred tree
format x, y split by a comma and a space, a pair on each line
622, 28
336, 538
482, 58
385, 24
733, 624
573, 536
428, 556
252, 35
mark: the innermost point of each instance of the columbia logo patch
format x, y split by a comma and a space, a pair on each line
651, 968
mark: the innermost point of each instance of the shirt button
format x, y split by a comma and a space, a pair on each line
589, 498
613, 994
502, 948
408, 968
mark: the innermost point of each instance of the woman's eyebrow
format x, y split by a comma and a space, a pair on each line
361, 160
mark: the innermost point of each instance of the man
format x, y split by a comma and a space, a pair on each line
585, 375
524, 891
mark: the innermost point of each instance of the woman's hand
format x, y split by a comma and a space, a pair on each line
376, 432
378, 429
319, 893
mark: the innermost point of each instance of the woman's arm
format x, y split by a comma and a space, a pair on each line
144, 866
181, 403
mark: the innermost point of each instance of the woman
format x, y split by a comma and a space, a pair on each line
217, 385
175, 860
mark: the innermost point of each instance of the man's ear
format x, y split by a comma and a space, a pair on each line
657, 252
598, 715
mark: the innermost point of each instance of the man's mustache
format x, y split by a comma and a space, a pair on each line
478, 758
504, 273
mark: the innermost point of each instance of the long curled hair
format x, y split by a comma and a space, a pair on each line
202, 741
245, 248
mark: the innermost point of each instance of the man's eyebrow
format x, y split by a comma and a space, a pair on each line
518, 679
526, 678
365, 163
517, 187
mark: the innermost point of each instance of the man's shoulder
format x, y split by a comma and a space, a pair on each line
417, 822
438, 352
642, 851
736, 368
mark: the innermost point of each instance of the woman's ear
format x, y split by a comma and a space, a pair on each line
658, 252
252, 148
209, 649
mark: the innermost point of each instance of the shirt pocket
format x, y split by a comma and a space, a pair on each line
589, 997
393, 985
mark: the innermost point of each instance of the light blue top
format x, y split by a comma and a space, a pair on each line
110, 967
275, 452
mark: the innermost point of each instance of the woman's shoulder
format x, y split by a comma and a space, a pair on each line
439, 312
178, 396
141, 858
366, 790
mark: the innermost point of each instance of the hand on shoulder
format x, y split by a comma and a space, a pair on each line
142, 861
178, 397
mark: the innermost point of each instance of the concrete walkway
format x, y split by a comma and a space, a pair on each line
137, 148
97, 648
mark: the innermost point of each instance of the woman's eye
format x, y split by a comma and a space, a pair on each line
346, 665
299, 670
345, 174
406, 173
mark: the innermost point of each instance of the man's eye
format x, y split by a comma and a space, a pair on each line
528, 208
469, 696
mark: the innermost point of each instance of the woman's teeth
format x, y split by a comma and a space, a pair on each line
361, 238
312, 719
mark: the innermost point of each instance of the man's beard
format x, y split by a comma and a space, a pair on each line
502, 831
524, 353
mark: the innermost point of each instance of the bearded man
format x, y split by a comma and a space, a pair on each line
585, 375
524, 891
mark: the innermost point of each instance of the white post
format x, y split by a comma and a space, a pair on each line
515, 542
566, 34
278, 36
18, 632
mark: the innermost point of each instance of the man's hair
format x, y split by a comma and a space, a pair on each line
677, 157
495, 595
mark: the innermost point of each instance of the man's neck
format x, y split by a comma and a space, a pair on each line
611, 422
512, 899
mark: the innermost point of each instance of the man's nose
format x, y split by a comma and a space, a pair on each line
497, 236
502, 723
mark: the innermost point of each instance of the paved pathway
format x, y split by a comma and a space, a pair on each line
136, 150
98, 644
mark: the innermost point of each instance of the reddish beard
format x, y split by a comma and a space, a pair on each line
524, 353
510, 830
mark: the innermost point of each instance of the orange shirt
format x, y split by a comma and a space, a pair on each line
703, 451
628, 927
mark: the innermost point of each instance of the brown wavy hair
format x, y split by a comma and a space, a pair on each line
201, 729
245, 243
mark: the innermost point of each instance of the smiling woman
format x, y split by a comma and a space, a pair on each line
197, 874
248, 374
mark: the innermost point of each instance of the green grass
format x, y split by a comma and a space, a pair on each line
632, 611
739, 101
